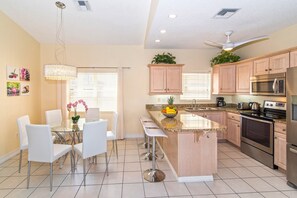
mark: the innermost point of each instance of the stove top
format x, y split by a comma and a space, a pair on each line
272, 110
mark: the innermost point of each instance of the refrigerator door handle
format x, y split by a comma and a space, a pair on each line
293, 150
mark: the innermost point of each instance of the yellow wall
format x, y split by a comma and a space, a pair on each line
17, 48
280, 40
136, 79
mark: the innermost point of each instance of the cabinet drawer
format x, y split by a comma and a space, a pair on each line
280, 128
233, 116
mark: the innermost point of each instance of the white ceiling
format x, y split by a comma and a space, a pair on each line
138, 22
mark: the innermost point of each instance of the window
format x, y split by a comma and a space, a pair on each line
97, 88
196, 86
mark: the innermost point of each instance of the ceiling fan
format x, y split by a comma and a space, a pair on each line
229, 45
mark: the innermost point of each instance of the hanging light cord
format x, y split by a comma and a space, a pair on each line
60, 52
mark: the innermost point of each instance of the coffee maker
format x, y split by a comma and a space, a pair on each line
220, 102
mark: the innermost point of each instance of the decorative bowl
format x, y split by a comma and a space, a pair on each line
171, 115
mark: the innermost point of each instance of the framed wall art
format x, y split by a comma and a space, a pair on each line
12, 73
13, 88
25, 89
24, 74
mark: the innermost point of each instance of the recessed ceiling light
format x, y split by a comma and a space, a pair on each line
172, 16
163, 31
157, 41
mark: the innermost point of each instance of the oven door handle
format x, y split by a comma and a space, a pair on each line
293, 150
255, 119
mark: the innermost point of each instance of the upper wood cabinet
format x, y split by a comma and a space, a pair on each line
279, 63
165, 78
261, 66
293, 58
243, 73
223, 79
272, 65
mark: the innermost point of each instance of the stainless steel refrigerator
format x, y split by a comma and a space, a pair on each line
291, 86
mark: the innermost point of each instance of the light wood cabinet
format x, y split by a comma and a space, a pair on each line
165, 78
272, 65
279, 63
243, 73
293, 58
233, 126
261, 66
280, 145
223, 79
217, 116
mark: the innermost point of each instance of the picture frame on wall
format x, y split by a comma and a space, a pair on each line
13, 88
24, 74
25, 89
12, 73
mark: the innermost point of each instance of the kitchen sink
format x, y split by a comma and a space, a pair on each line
200, 109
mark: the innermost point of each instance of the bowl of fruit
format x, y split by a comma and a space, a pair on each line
170, 111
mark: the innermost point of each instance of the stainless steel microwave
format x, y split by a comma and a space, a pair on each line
271, 85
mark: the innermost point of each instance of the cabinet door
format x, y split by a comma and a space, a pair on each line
279, 63
158, 80
218, 117
227, 79
233, 132
215, 79
261, 66
243, 73
174, 79
293, 59
280, 152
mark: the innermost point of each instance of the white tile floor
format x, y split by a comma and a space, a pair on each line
238, 176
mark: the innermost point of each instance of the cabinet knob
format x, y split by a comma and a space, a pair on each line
284, 129
238, 126
266, 69
275, 137
270, 69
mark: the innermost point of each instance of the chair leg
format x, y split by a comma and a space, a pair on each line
20, 162
28, 176
84, 167
51, 176
116, 147
106, 163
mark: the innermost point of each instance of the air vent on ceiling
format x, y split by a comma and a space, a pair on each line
226, 13
82, 5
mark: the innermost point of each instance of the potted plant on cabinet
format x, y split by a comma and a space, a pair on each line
224, 57
167, 58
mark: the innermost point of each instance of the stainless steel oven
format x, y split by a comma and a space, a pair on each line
272, 84
257, 132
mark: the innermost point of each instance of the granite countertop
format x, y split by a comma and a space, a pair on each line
185, 122
284, 121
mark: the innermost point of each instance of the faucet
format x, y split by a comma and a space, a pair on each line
194, 103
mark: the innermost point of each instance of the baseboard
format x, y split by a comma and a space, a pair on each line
8, 156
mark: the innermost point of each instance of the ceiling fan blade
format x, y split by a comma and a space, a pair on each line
214, 44
236, 44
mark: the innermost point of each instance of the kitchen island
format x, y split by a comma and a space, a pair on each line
191, 146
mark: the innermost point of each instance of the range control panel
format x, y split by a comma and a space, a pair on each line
275, 105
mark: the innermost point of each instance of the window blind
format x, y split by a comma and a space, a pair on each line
196, 86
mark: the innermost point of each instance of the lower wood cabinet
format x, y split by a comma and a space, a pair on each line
233, 127
216, 116
280, 145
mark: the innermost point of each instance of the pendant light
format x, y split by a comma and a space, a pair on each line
60, 71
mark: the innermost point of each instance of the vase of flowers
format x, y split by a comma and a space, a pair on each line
76, 117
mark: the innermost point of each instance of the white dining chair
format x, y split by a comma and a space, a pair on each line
92, 114
22, 122
53, 117
42, 149
94, 143
112, 135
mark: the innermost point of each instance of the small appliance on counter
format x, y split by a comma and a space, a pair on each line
255, 106
220, 102
244, 105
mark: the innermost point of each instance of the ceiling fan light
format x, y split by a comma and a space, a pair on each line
227, 48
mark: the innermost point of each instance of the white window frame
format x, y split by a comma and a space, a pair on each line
187, 88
